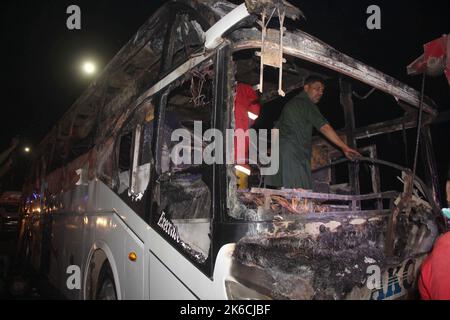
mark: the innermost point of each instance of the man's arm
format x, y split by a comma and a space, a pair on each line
329, 132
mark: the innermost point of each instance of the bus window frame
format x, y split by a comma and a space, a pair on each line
221, 62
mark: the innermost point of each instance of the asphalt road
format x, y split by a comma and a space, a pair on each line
17, 281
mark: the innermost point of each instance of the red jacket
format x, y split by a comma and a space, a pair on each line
434, 280
246, 101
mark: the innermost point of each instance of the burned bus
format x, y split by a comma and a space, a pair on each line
105, 199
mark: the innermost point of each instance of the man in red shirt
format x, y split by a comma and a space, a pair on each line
434, 280
246, 111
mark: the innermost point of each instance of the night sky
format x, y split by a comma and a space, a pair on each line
41, 57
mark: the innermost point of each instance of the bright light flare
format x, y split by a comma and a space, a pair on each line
89, 68
27, 149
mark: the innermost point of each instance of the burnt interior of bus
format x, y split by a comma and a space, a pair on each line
317, 244
370, 126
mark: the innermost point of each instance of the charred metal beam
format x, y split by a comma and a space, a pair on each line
407, 122
431, 173
375, 173
305, 46
346, 93
267, 6
169, 44
290, 193
347, 215
361, 159
400, 207
223, 66
339, 216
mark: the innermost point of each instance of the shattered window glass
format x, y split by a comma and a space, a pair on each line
135, 154
183, 192
188, 38
125, 152
146, 154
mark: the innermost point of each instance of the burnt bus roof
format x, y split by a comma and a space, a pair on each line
123, 79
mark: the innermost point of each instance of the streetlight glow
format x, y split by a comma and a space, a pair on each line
26, 149
89, 67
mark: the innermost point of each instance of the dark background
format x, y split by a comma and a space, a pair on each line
41, 57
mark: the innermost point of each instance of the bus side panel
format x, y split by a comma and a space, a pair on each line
112, 230
131, 276
57, 251
164, 285
72, 257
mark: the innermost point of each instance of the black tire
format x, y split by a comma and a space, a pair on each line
106, 288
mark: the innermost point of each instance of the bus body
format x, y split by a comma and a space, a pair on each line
104, 203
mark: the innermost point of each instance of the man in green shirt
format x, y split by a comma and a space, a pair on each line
295, 125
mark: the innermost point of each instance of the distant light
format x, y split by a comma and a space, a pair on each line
27, 150
89, 68
252, 116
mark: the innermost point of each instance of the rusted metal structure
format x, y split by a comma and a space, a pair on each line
105, 172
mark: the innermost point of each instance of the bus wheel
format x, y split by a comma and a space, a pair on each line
106, 289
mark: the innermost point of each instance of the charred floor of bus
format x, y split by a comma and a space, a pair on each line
327, 255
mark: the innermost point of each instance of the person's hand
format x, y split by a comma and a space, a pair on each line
350, 153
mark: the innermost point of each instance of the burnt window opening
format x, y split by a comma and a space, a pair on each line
183, 194
186, 105
145, 155
247, 72
135, 159
336, 179
188, 39
125, 152
124, 161
185, 37
142, 157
